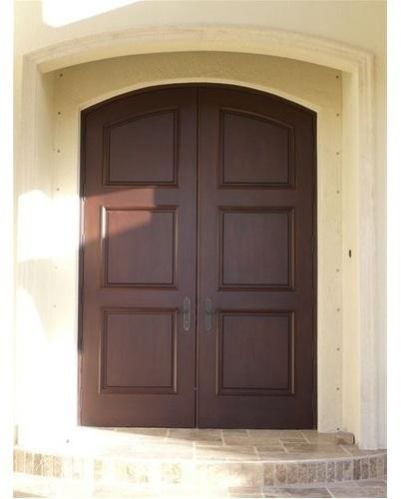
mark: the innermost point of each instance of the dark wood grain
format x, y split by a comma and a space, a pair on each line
139, 260
255, 257
205, 192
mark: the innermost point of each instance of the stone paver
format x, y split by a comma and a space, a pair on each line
47, 488
236, 461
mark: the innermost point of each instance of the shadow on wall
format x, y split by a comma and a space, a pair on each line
47, 308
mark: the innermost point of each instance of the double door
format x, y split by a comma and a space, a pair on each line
197, 265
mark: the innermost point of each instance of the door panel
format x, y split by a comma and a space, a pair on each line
248, 257
140, 247
265, 340
130, 335
269, 144
130, 158
139, 260
202, 195
256, 229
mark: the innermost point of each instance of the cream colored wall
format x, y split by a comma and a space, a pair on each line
353, 24
350, 267
49, 221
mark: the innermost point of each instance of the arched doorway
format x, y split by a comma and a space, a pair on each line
198, 266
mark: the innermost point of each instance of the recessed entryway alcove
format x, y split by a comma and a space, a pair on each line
52, 193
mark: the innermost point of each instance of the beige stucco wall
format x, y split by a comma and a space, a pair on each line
48, 205
350, 241
45, 329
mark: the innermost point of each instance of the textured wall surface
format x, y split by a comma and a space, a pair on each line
48, 287
45, 261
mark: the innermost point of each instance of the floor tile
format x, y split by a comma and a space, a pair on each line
353, 450
171, 461
372, 491
245, 492
195, 435
228, 452
275, 492
143, 432
306, 492
272, 455
314, 447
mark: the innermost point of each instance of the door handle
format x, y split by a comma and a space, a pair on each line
208, 315
186, 316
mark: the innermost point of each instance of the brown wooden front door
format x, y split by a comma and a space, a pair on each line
197, 267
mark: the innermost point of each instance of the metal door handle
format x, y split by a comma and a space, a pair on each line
208, 315
186, 316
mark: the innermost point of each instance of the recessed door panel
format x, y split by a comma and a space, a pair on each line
256, 247
140, 247
139, 351
270, 150
255, 353
142, 150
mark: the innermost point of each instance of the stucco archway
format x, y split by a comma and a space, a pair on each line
359, 89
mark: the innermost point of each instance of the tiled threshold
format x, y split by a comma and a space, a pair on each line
120, 462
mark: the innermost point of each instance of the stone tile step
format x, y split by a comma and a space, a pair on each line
36, 486
233, 471
87, 438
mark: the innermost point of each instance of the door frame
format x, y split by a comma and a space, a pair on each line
82, 164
